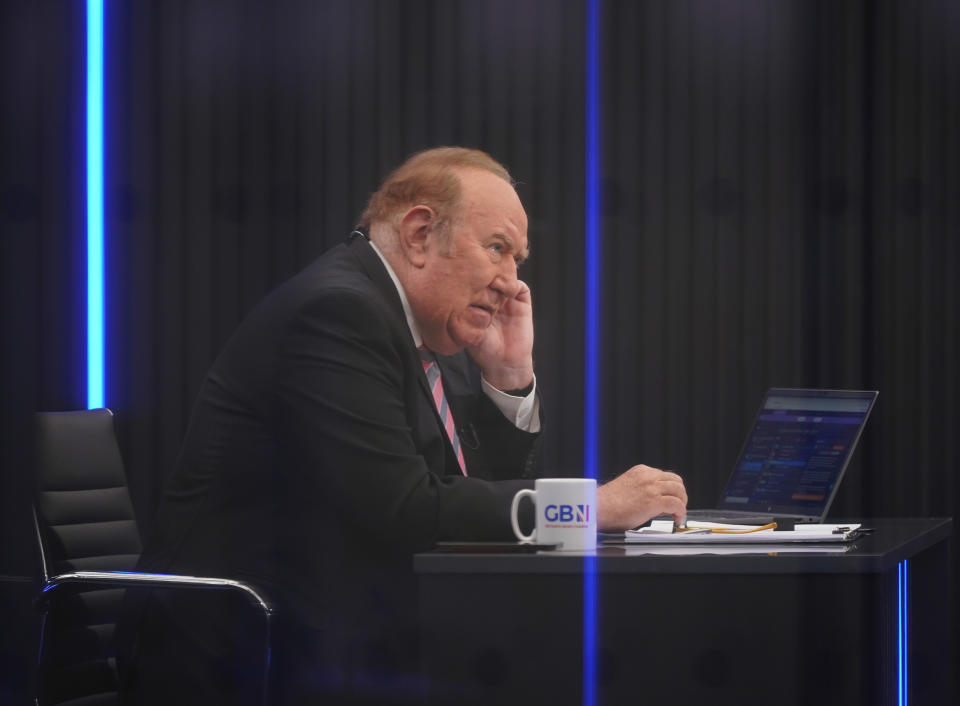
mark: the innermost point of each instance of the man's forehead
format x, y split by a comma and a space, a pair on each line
485, 195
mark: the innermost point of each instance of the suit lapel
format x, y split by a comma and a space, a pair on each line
373, 267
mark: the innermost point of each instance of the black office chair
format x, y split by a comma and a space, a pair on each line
89, 546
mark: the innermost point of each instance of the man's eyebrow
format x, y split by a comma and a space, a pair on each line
520, 255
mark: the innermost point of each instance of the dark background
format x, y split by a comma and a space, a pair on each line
779, 183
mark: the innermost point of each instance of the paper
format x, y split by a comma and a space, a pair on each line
691, 549
802, 533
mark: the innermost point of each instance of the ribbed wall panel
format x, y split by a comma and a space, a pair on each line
250, 136
781, 189
782, 210
781, 207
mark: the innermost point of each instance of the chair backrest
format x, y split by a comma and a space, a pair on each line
85, 522
83, 506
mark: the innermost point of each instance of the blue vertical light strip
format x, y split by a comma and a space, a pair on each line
903, 635
900, 633
906, 634
591, 332
95, 249
592, 251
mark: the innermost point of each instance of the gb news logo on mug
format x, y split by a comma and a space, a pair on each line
564, 516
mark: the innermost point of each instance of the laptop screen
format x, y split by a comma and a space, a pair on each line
796, 452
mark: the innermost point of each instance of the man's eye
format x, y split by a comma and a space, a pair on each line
496, 248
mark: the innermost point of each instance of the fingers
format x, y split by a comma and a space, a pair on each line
519, 293
674, 507
637, 495
673, 498
673, 487
670, 475
667, 482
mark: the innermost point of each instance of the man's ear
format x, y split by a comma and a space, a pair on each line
416, 226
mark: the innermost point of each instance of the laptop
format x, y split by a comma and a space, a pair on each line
794, 458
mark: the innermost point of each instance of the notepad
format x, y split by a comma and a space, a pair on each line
820, 533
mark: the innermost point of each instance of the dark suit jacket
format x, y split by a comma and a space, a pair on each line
315, 463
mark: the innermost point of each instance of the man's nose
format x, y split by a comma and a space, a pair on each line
506, 282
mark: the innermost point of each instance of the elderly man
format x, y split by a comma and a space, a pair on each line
380, 401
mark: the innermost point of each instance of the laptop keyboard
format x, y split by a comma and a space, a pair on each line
729, 518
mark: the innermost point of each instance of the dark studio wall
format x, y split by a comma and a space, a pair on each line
253, 134
781, 209
779, 189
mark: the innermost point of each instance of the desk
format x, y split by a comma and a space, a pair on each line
753, 628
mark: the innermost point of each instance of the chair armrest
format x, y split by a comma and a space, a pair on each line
132, 579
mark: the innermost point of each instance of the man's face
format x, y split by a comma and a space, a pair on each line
459, 289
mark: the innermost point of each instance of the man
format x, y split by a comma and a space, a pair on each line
380, 401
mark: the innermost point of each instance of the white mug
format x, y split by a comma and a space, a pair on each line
566, 511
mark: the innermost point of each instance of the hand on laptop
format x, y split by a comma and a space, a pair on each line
638, 494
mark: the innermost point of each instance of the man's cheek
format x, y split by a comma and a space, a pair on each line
467, 333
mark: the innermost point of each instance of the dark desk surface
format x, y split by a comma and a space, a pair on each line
892, 541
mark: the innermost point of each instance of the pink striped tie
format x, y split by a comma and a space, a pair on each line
432, 371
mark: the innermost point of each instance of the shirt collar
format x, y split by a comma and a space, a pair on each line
404, 302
